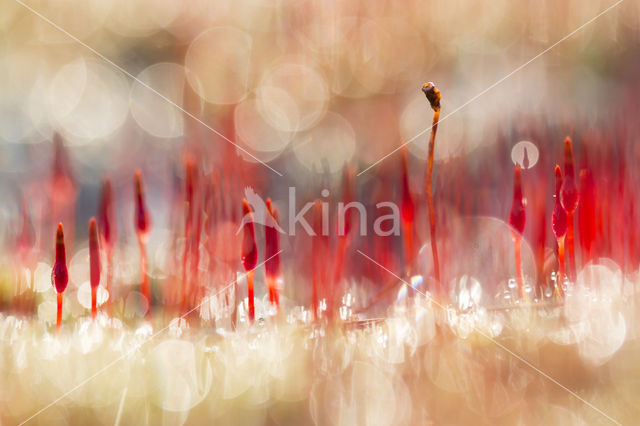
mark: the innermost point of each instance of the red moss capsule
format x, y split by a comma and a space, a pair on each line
559, 222
142, 220
517, 216
105, 215
433, 95
59, 273
249, 255
94, 254
569, 195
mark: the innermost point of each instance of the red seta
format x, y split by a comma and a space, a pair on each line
271, 248
142, 224
94, 264
517, 217
59, 273
249, 255
559, 216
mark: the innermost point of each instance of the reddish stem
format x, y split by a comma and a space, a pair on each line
249, 255
559, 227
195, 259
341, 250
272, 265
107, 230
433, 95
250, 297
561, 273
270, 284
94, 263
188, 226
59, 314
317, 249
344, 240
432, 213
571, 246
408, 214
145, 287
94, 302
569, 197
517, 221
143, 226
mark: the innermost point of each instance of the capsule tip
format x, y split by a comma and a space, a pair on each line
568, 157
433, 95
93, 230
246, 209
137, 175
142, 220
107, 227
567, 142
60, 234
558, 172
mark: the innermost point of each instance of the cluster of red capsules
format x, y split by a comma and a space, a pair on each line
142, 222
60, 274
565, 204
324, 285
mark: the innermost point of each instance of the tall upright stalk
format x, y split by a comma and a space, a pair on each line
433, 96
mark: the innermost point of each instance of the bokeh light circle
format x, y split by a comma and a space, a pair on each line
525, 154
23, 80
84, 295
218, 65
330, 144
88, 100
255, 132
153, 113
142, 17
292, 97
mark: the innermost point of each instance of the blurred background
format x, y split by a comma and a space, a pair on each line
196, 94
312, 88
